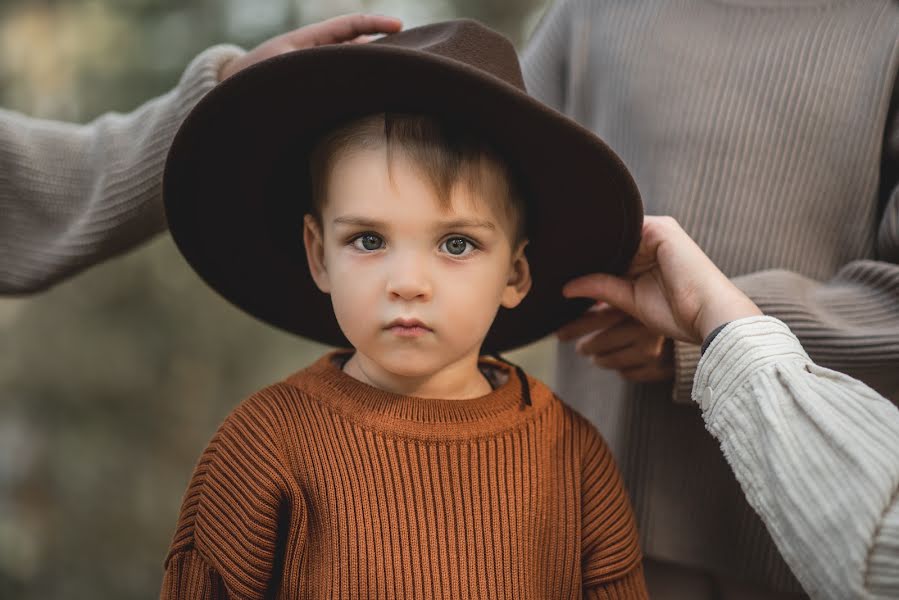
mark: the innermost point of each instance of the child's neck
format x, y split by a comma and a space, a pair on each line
458, 381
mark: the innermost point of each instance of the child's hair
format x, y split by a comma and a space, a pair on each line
445, 154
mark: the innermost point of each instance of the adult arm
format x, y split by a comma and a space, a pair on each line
816, 453
75, 195
849, 322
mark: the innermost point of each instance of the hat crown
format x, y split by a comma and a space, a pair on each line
466, 41
235, 190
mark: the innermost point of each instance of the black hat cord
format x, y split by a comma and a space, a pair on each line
525, 386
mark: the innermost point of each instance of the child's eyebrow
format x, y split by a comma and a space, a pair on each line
460, 223
360, 221
452, 224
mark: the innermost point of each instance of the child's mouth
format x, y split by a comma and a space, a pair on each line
408, 328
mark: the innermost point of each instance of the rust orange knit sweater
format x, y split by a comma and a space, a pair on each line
323, 487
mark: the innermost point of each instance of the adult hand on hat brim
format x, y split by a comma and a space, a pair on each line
672, 287
356, 28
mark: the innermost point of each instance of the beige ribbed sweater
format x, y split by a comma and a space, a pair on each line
765, 127
324, 487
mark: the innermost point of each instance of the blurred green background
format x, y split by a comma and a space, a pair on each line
112, 383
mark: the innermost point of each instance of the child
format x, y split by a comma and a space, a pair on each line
409, 466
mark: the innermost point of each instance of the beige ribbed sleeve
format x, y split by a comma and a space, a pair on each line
815, 451
74, 195
849, 323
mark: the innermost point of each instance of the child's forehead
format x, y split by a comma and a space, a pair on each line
368, 182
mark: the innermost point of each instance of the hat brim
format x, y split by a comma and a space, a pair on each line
236, 183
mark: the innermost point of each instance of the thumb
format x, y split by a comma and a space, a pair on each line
600, 286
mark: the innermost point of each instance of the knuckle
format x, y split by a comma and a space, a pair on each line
669, 222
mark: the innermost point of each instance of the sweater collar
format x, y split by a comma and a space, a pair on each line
443, 419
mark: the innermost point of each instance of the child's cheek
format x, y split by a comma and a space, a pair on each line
354, 295
471, 303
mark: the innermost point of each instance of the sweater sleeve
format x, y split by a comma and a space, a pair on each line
632, 585
188, 575
240, 501
610, 550
850, 322
74, 195
816, 453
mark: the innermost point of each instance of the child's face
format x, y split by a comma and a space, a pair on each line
415, 286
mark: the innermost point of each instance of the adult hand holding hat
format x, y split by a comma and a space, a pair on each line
672, 287
355, 28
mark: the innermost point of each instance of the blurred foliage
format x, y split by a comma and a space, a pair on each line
112, 383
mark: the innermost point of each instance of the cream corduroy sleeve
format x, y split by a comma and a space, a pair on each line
817, 455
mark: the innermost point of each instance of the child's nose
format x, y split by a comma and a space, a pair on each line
409, 279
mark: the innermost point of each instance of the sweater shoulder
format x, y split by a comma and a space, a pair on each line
587, 440
584, 430
245, 468
279, 406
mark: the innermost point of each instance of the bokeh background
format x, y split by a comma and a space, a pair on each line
112, 383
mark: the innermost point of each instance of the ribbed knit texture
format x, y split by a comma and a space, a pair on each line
816, 452
765, 128
324, 487
72, 195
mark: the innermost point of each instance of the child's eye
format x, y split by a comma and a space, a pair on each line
457, 246
368, 242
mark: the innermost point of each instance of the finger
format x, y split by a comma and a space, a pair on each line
595, 319
348, 27
622, 335
600, 286
362, 39
625, 358
654, 231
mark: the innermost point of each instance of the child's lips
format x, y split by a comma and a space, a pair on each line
408, 328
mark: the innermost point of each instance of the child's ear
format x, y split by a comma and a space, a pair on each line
315, 253
519, 282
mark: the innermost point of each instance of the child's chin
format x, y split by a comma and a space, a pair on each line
409, 363
409, 368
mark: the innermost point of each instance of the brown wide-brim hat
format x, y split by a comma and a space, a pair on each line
237, 186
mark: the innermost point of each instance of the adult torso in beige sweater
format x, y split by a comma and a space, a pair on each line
765, 128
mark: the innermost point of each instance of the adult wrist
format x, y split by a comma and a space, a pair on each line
711, 337
724, 310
